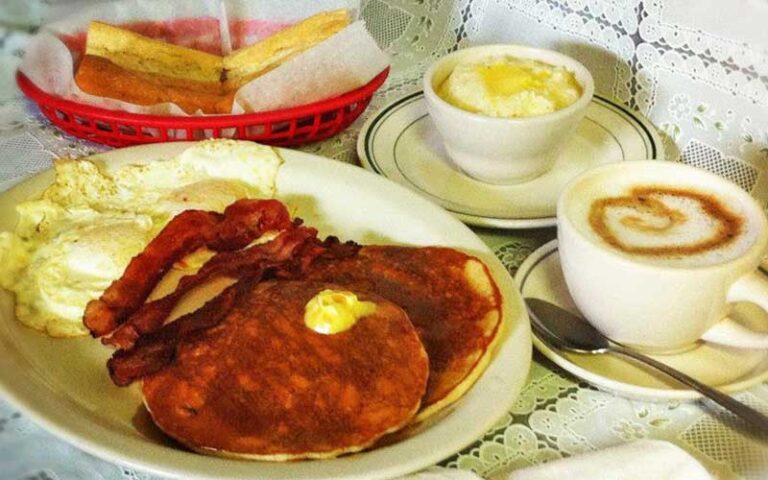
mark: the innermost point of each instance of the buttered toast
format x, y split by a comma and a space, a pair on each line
133, 51
247, 63
127, 66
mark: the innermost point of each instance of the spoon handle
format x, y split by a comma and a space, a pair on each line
754, 419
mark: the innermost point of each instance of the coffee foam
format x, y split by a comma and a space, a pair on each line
665, 225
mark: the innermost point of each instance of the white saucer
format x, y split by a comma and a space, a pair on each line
401, 143
728, 369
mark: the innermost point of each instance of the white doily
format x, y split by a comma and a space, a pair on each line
698, 69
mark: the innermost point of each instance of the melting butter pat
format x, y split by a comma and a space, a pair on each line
333, 311
510, 87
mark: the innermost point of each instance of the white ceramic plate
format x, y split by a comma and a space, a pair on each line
401, 143
728, 369
63, 384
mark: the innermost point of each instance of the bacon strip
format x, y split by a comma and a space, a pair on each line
157, 350
185, 233
146, 342
246, 220
287, 256
238, 264
241, 223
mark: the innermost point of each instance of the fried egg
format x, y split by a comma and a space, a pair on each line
78, 237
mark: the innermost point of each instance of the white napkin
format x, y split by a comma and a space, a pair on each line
641, 460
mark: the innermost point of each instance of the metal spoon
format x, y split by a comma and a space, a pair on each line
564, 330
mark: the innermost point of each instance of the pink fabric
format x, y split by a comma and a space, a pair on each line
199, 33
247, 32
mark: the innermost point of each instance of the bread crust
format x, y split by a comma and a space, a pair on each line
247, 63
136, 52
101, 77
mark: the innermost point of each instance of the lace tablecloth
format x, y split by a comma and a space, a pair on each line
697, 69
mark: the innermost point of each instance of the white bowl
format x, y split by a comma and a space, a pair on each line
504, 150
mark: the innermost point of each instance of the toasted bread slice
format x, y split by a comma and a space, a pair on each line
133, 51
128, 66
101, 77
247, 63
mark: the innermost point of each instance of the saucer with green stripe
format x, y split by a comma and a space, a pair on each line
401, 143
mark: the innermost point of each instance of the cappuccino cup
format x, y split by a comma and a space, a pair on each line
654, 253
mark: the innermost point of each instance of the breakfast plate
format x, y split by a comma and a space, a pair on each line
728, 369
64, 385
401, 143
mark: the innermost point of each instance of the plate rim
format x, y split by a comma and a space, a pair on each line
618, 387
650, 135
516, 344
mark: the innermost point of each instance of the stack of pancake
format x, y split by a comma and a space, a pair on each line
244, 376
126, 66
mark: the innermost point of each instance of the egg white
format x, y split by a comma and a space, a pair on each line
70, 244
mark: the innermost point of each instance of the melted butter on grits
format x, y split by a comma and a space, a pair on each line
510, 87
334, 311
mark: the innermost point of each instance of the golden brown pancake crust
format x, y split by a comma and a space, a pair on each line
455, 322
262, 383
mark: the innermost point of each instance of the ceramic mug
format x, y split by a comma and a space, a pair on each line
504, 150
680, 264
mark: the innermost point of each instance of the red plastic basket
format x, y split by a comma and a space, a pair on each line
285, 127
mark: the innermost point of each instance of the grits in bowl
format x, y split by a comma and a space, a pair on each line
504, 111
509, 87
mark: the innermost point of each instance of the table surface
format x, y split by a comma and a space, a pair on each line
703, 82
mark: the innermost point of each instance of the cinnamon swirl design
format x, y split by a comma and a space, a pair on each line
669, 223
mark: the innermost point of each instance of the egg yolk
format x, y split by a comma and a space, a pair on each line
334, 311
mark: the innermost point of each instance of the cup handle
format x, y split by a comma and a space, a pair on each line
753, 288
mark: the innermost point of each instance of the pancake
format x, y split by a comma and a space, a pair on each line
449, 296
261, 385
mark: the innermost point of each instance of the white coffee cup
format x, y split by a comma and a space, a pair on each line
646, 285
504, 150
